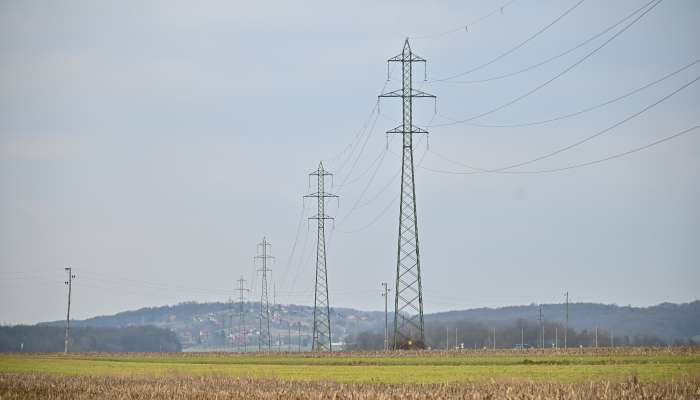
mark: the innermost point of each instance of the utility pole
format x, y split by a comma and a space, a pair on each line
556, 337
522, 338
494, 338
456, 341
385, 294
264, 339
408, 301
69, 282
241, 327
541, 329
289, 337
596, 337
300, 337
566, 327
543, 336
612, 339
447, 338
322, 313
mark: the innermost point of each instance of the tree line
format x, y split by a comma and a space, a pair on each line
469, 334
37, 338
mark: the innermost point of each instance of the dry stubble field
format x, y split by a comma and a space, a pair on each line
608, 374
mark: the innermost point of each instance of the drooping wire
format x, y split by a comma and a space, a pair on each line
466, 27
560, 74
362, 174
288, 265
591, 108
364, 191
588, 138
385, 209
302, 256
602, 132
365, 126
514, 48
550, 59
356, 141
580, 165
362, 149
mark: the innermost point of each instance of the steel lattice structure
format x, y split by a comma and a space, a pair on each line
408, 303
322, 316
242, 343
264, 339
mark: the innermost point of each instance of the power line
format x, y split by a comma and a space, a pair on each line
288, 265
356, 140
386, 209
105, 278
584, 164
514, 48
364, 172
568, 147
591, 108
465, 27
560, 74
301, 259
364, 190
550, 59
359, 154
600, 133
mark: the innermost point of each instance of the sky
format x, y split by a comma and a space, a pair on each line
150, 145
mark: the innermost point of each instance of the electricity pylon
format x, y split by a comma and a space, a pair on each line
408, 301
264, 339
241, 322
322, 315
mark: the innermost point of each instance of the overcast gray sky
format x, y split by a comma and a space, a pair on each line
151, 145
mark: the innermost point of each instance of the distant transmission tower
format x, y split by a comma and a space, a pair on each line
264, 339
69, 282
322, 315
408, 303
241, 323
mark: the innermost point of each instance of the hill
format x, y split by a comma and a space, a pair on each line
201, 326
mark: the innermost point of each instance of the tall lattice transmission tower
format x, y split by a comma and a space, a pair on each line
242, 337
264, 339
408, 301
322, 316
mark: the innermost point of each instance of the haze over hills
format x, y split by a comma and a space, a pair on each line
207, 325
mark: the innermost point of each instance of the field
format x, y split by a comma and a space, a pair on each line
622, 373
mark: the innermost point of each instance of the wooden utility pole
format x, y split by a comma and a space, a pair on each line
69, 282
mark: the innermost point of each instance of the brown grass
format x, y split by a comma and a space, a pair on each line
16, 386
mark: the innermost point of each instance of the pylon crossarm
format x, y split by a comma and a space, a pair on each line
395, 93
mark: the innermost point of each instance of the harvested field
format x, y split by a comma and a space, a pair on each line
14, 386
624, 374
